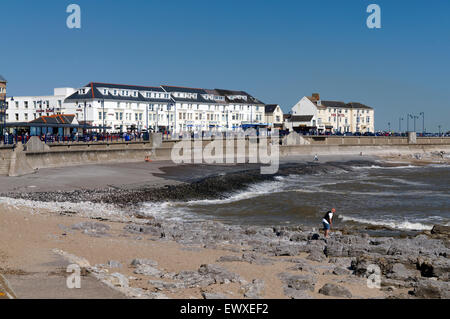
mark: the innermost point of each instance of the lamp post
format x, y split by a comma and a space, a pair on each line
423, 122
407, 122
389, 126
415, 117
439, 126
84, 125
146, 116
400, 124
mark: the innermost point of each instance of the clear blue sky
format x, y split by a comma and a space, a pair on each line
278, 51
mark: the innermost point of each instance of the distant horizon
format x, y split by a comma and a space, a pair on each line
277, 51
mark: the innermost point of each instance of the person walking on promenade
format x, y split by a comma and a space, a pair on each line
327, 221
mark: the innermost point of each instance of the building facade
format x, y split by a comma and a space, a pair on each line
274, 116
331, 116
28, 108
3, 105
163, 108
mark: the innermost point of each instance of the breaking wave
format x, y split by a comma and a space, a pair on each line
395, 224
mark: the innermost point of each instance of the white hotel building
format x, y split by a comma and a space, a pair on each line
163, 108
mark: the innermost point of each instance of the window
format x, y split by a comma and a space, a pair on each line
26, 117
17, 116
99, 115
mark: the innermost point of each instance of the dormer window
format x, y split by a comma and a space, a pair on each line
105, 91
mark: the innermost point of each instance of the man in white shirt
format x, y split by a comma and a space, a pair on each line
327, 221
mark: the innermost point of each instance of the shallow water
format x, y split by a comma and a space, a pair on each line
404, 198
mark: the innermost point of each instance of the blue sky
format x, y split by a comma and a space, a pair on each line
278, 51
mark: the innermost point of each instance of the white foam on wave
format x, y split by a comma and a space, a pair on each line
405, 182
384, 167
182, 211
395, 224
85, 209
252, 191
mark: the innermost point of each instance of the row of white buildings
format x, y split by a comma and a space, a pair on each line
182, 109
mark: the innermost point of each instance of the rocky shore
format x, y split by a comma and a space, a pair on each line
306, 265
413, 267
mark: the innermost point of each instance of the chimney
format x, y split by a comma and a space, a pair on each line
316, 96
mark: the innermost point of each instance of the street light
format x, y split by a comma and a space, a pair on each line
423, 122
389, 126
400, 124
439, 126
415, 117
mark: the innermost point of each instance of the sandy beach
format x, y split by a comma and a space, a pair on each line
135, 256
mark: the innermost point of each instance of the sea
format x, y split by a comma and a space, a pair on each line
410, 198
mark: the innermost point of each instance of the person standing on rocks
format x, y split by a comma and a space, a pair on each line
327, 221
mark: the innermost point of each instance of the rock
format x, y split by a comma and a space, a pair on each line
113, 264
441, 230
299, 237
147, 270
209, 295
400, 272
299, 282
316, 255
296, 294
218, 274
286, 250
344, 262
193, 279
153, 230
166, 285
432, 289
256, 259
314, 236
335, 291
340, 271
335, 249
398, 283
254, 290
438, 267
229, 259
302, 265
118, 280
92, 228
361, 264
149, 262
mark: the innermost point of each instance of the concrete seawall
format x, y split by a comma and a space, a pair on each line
25, 159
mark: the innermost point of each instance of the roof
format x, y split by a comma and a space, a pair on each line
2, 79
55, 119
95, 93
270, 108
339, 104
169, 88
227, 93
